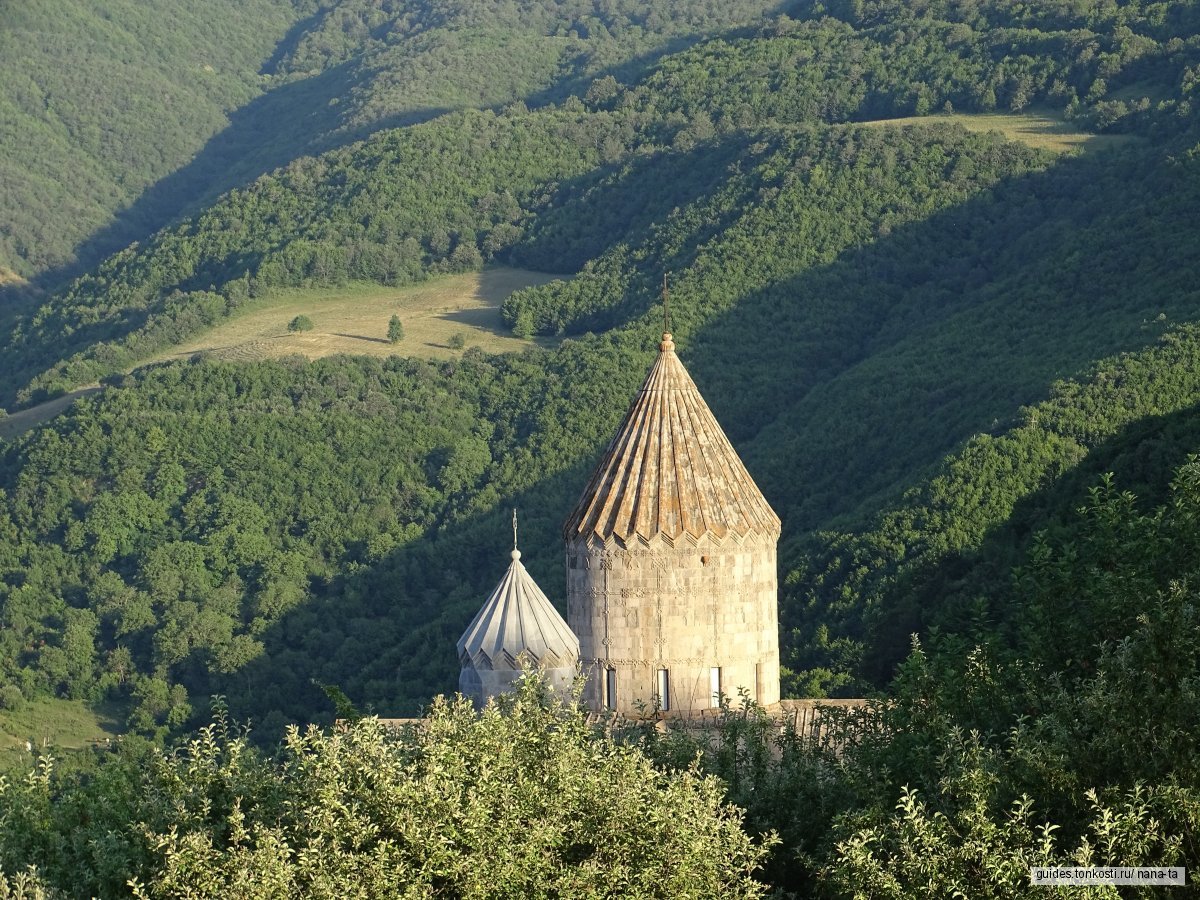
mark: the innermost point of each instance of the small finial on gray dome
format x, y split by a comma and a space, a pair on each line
517, 626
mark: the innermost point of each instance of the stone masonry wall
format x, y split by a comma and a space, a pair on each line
686, 609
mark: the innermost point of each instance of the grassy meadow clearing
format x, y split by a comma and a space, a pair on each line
354, 319
1040, 129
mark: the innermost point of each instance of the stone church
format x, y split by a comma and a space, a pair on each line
672, 597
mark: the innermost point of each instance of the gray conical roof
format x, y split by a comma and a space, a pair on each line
670, 471
518, 618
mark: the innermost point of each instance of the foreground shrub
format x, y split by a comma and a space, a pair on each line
522, 800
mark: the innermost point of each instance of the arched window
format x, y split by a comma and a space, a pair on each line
664, 690
610, 688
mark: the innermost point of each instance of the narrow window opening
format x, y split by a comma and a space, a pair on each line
610, 688
714, 682
664, 690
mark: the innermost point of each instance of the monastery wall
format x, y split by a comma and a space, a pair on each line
703, 613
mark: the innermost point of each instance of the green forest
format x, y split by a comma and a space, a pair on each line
961, 368
165, 107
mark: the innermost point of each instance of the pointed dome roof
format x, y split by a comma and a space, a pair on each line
516, 619
670, 470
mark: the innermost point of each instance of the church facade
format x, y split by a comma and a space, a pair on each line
671, 580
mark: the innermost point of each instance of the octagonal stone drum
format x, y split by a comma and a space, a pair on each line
670, 554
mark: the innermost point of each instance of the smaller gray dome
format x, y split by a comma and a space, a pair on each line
518, 619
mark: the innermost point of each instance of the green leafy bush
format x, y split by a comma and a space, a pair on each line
11, 697
525, 799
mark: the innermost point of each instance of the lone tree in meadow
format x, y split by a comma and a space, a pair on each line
300, 323
395, 330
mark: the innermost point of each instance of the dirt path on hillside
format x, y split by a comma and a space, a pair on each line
21, 421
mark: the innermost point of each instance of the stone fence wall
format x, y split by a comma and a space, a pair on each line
808, 720
834, 724
827, 722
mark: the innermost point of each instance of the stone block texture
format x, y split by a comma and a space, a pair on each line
685, 609
670, 560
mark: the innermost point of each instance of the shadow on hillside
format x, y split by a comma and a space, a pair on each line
853, 378
620, 202
641, 192
18, 423
290, 43
840, 385
852, 334
576, 81
299, 119
17, 301
484, 318
386, 633
946, 593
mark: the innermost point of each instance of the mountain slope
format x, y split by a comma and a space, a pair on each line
164, 551
854, 301
337, 79
164, 107
101, 100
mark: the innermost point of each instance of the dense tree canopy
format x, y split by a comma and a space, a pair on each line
165, 107
102, 100
350, 490
930, 345
525, 800
375, 211
358, 483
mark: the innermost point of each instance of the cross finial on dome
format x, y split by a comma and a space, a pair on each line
666, 308
516, 554
667, 343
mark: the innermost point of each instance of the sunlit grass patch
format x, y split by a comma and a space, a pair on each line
1042, 130
53, 726
354, 319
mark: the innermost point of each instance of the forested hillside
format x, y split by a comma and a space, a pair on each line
248, 528
101, 100
930, 345
809, 70
522, 421
164, 107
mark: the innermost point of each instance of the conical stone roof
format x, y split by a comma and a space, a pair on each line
518, 618
670, 471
